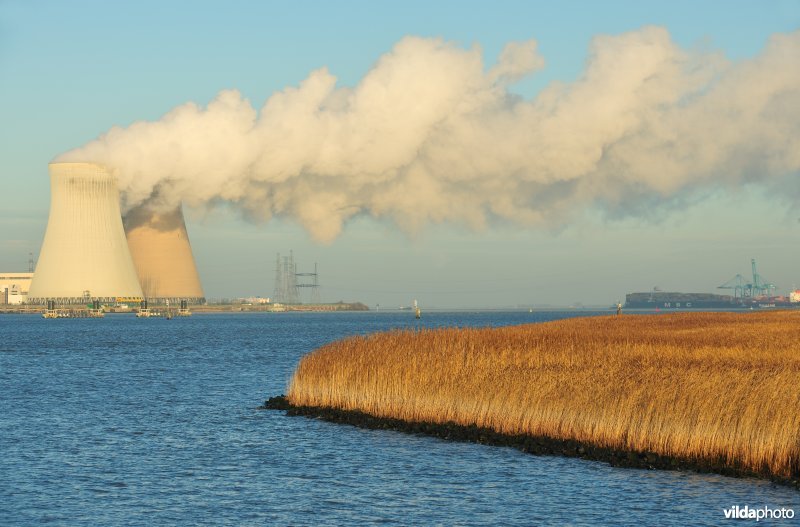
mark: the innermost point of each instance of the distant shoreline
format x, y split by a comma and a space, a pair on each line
361, 307
208, 308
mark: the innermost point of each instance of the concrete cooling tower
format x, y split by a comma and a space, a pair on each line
162, 255
84, 253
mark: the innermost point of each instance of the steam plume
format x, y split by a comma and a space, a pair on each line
431, 135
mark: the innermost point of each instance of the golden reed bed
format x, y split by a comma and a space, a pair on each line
695, 386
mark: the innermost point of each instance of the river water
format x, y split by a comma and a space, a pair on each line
121, 421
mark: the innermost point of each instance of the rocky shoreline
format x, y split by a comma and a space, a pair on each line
540, 446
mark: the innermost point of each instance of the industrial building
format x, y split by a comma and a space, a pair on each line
161, 253
14, 287
86, 252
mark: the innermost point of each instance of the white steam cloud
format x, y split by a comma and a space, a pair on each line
431, 135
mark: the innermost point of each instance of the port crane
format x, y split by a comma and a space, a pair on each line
744, 289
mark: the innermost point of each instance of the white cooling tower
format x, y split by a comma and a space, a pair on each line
84, 253
161, 252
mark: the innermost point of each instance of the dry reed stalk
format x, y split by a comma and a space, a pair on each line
699, 386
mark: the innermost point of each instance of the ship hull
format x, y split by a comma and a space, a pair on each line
663, 300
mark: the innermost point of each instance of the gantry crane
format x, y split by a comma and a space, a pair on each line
743, 289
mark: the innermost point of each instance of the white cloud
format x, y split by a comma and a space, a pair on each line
431, 135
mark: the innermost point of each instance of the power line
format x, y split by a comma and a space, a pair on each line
287, 288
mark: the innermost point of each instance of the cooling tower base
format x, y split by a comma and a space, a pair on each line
72, 301
176, 301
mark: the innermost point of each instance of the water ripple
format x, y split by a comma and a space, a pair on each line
129, 422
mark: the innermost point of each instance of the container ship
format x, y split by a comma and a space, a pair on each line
667, 300
747, 294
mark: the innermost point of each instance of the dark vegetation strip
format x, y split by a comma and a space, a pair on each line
536, 445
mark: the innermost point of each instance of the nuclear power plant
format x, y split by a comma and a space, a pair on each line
86, 253
159, 245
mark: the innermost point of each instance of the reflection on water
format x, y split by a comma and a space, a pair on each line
130, 421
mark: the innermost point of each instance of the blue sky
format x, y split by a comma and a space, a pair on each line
69, 71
